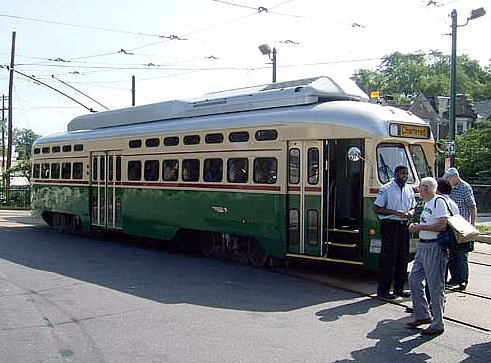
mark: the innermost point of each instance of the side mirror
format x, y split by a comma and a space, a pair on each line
354, 154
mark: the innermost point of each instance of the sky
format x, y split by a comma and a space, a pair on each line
180, 49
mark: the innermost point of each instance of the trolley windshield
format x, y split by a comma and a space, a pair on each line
388, 157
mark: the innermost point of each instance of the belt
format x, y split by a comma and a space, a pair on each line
428, 240
395, 221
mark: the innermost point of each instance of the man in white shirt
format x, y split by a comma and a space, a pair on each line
430, 261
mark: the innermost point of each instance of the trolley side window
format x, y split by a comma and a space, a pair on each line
213, 170
238, 136
134, 170
214, 138
45, 170
265, 170
237, 170
294, 227
153, 142
118, 168
78, 170
265, 135
313, 165
294, 166
171, 141
170, 170
36, 172
55, 171
312, 227
94, 168
151, 171
190, 170
66, 170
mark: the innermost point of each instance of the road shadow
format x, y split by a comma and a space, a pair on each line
395, 344
162, 275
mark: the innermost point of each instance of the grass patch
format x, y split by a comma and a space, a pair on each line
484, 229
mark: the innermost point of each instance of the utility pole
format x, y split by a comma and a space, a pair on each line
10, 138
132, 90
3, 132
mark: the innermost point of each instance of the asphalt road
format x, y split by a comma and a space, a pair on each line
77, 299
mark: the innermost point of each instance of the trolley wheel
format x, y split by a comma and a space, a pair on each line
240, 249
219, 249
256, 253
206, 244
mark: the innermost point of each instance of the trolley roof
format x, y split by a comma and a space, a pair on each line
293, 93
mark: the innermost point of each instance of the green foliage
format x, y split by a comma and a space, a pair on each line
405, 75
473, 153
23, 140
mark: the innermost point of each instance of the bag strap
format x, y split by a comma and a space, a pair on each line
445, 201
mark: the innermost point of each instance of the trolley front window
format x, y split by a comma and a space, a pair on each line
419, 160
388, 157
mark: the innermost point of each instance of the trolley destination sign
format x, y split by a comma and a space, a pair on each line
413, 131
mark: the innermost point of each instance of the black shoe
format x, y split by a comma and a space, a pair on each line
462, 286
402, 294
451, 282
387, 296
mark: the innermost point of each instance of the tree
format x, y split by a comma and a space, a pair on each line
23, 140
473, 150
405, 75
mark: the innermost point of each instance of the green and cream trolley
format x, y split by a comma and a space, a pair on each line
287, 170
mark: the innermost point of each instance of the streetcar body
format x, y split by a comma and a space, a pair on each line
288, 173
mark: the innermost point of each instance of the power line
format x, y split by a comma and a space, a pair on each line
79, 26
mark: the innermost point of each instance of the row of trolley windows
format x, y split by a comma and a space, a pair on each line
237, 170
59, 170
57, 149
212, 138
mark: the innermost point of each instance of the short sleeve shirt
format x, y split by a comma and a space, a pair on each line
463, 195
432, 212
392, 196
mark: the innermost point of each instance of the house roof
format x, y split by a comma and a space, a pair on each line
483, 109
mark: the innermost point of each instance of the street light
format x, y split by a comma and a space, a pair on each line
477, 13
266, 50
